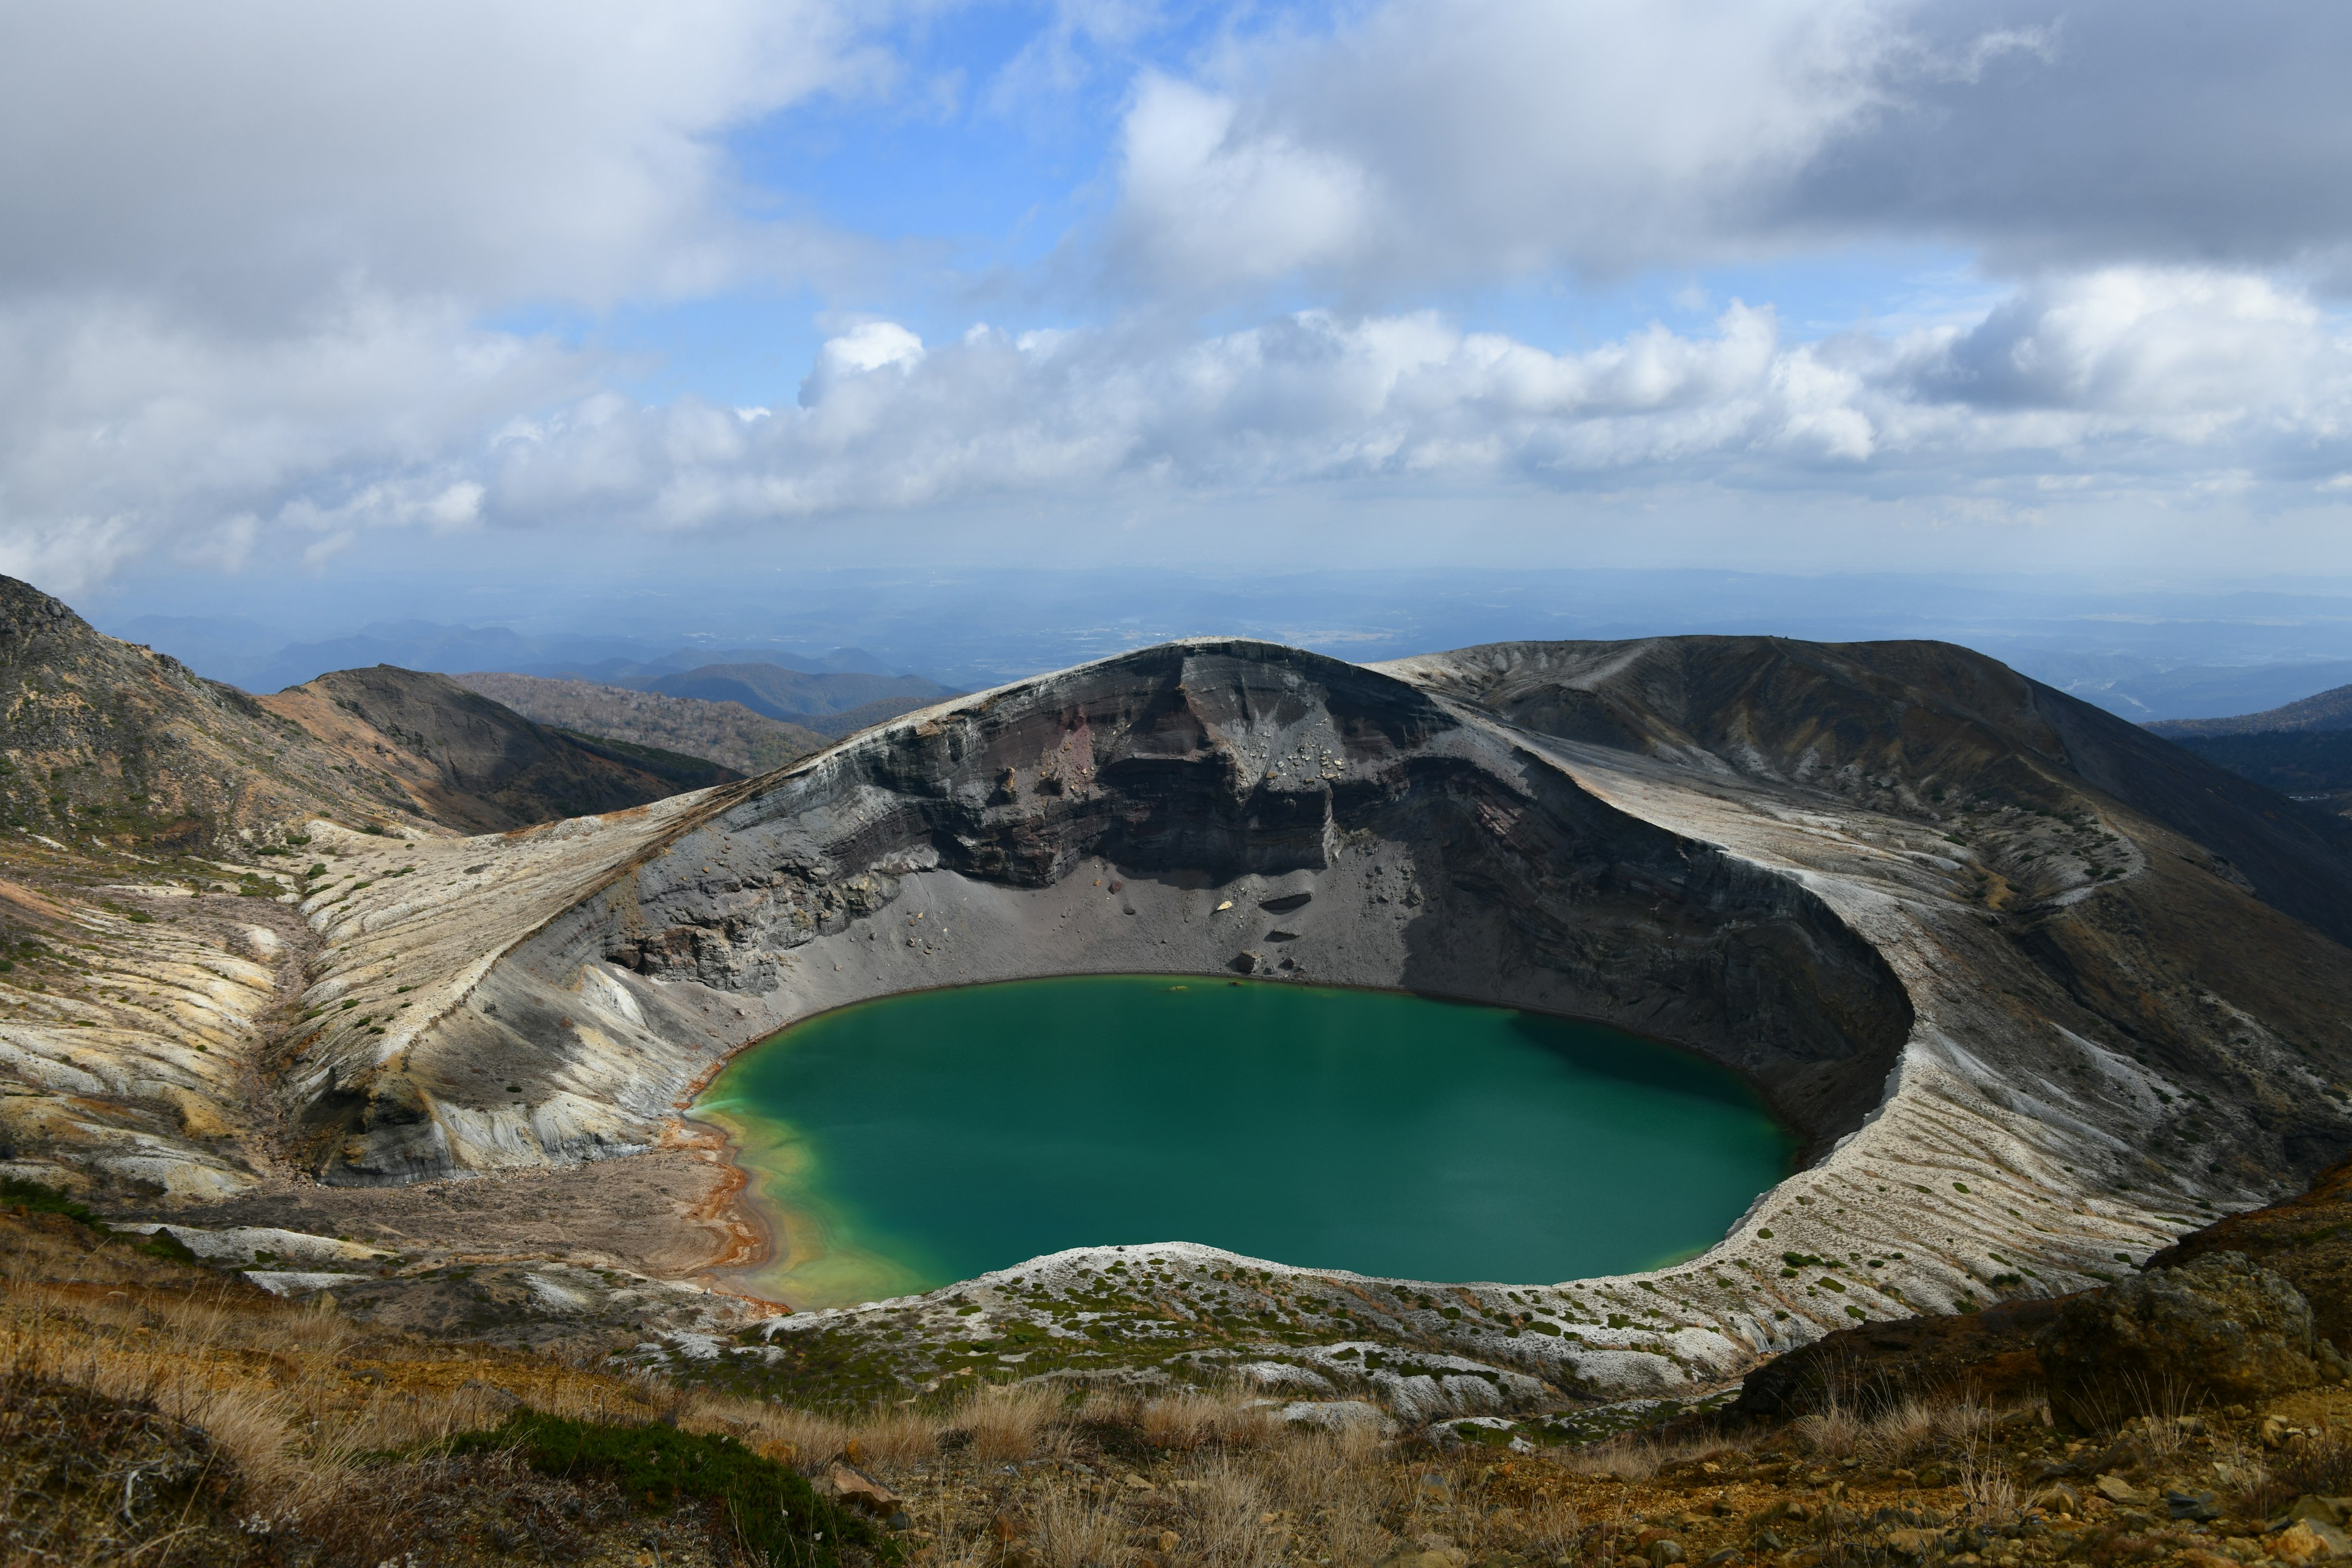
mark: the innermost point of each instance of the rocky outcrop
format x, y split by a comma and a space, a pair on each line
2219, 1329
1984, 1357
2307, 1240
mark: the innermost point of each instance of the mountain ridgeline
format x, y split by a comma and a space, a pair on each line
468, 762
726, 732
112, 743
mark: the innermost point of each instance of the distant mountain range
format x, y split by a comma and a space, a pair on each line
243, 653
2144, 655
2330, 710
831, 704
2302, 748
2190, 693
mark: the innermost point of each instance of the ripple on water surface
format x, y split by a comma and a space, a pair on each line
913, 1140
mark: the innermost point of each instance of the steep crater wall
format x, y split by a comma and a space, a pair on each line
1193, 808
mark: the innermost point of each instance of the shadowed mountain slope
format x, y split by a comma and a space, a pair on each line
2303, 750
476, 764
726, 733
1910, 726
2310, 766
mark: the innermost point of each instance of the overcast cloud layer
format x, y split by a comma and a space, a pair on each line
259, 256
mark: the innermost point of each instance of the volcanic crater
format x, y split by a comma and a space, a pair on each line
2043, 992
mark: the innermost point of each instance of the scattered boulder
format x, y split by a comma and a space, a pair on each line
2220, 1327
1248, 963
2306, 1239
2308, 1540
845, 1483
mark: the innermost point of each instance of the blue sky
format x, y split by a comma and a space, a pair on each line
336, 294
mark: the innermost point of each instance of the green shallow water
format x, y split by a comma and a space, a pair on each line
914, 1141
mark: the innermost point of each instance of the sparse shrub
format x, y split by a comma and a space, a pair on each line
776, 1512
41, 1199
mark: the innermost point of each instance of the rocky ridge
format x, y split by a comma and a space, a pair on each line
466, 762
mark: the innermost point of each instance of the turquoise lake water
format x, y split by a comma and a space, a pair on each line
914, 1141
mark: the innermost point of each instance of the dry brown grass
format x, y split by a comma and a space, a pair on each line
296, 1400
1897, 1432
1986, 1483
276, 1389
1073, 1530
1010, 1422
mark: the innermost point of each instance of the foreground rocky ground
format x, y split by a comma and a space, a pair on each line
157, 1409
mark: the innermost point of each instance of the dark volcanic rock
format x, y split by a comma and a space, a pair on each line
1986, 1356
2221, 1328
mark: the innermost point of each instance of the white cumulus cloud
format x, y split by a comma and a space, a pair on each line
2080, 375
231, 155
1432, 141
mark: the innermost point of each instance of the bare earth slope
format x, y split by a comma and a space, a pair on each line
471, 762
726, 732
161, 829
